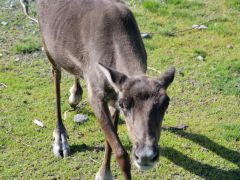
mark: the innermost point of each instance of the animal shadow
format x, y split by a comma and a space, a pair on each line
201, 169
83, 148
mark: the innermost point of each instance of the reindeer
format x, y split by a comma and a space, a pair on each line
99, 41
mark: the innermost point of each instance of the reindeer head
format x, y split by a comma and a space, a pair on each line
143, 101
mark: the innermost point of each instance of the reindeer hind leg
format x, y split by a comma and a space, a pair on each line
75, 93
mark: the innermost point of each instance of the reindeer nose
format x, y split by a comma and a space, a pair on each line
146, 155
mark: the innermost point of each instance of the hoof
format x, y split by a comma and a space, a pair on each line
60, 144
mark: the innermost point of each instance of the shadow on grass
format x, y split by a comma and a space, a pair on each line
228, 154
201, 169
83, 147
189, 164
196, 167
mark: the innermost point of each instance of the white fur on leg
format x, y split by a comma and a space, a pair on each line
65, 146
60, 144
107, 175
57, 145
74, 99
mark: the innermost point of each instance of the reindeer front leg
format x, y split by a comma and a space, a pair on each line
104, 118
60, 144
104, 172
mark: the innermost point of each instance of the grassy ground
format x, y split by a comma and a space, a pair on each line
205, 96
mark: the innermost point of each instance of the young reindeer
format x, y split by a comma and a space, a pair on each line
99, 41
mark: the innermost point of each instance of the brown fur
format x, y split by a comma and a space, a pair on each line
99, 41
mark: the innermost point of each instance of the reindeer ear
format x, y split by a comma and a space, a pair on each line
167, 77
115, 78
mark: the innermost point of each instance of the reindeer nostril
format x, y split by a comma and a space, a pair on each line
146, 156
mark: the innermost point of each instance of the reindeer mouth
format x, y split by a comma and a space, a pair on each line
144, 167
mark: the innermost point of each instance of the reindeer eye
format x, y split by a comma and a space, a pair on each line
125, 103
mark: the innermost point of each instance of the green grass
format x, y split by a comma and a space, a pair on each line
151, 5
205, 96
200, 52
231, 132
27, 44
235, 4
226, 77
